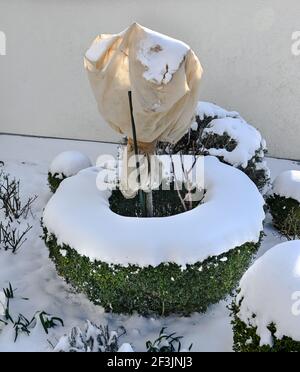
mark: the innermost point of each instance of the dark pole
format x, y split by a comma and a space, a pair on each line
136, 150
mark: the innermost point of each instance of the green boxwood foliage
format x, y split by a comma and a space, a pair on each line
163, 290
54, 180
246, 339
286, 215
165, 203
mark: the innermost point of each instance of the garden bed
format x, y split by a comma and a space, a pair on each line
35, 277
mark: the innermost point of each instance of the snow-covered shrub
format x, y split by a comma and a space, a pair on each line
180, 264
93, 339
165, 289
226, 135
284, 204
66, 164
99, 339
266, 310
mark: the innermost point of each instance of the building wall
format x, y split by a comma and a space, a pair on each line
244, 46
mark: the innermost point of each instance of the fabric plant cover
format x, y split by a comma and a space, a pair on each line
163, 75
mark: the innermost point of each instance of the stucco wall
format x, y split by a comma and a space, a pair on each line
244, 46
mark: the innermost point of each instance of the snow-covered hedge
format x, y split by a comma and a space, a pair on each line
164, 289
178, 264
225, 134
284, 204
66, 164
266, 311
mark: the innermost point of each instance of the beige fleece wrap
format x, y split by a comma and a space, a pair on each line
164, 99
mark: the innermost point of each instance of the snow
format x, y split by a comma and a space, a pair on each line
125, 348
287, 185
248, 139
160, 55
35, 277
39, 152
232, 214
270, 290
208, 109
69, 163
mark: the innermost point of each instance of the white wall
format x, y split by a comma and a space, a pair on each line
244, 46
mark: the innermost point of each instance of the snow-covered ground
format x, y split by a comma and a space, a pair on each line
33, 275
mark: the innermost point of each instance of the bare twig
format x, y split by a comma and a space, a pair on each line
10, 200
11, 238
177, 185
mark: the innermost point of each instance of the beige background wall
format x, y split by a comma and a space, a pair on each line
244, 46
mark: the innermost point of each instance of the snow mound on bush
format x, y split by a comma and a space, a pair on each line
208, 109
225, 134
248, 140
287, 185
69, 163
232, 215
270, 291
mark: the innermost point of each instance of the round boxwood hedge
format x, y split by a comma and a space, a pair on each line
286, 215
246, 339
54, 180
163, 290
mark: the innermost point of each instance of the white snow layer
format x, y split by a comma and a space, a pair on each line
248, 140
69, 163
208, 109
270, 290
287, 185
232, 214
161, 55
